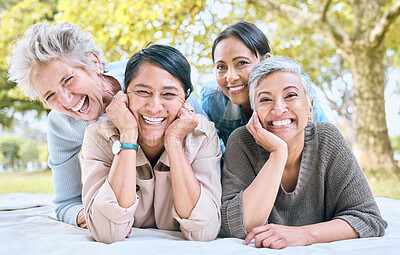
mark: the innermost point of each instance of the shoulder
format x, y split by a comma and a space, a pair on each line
211, 92
65, 126
205, 127
327, 133
102, 128
241, 135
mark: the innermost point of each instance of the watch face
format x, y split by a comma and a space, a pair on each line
116, 147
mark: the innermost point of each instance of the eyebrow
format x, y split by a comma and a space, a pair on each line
286, 88
150, 87
234, 59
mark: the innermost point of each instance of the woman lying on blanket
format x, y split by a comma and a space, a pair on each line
288, 181
60, 64
152, 162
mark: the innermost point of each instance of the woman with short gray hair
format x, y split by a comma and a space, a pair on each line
289, 181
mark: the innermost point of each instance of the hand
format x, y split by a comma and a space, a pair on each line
277, 236
185, 122
122, 118
81, 220
263, 137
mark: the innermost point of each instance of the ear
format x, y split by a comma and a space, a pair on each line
310, 110
98, 67
267, 55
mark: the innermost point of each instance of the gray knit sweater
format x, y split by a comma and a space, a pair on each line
330, 185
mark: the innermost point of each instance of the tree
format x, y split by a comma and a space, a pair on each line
360, 36
120, 28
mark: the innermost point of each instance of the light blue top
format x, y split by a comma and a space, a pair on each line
64, 138
228, 116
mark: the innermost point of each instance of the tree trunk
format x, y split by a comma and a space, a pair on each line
372, 147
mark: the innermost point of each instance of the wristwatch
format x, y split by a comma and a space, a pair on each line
118, 146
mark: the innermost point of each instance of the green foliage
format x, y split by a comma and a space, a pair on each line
17, 151
14, 20
395, 143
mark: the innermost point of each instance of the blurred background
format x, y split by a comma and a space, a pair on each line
349, 48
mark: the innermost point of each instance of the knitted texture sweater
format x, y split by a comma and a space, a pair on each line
330, 185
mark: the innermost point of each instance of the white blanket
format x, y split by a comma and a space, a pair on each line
28, 226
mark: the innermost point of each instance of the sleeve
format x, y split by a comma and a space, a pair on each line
204, 221
206, 101
106, 220
237, 176
349, 195
318, 113
64, 144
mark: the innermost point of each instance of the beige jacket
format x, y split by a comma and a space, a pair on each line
108, 222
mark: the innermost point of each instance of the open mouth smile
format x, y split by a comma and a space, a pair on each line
153, 120
79, 106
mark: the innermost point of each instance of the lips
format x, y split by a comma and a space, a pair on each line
236, 88
78, 106
281, 123
153, 120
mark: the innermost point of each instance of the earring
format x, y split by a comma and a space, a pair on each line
310, 120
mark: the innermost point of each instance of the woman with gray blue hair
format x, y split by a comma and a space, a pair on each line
61, 65
289, 181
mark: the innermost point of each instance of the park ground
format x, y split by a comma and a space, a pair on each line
382, 184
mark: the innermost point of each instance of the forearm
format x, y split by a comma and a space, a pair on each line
259, 197
122, 177
329, 231
185, 186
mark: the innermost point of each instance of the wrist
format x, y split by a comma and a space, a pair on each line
129, 137
172, 143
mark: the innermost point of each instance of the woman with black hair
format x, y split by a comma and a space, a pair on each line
235, 52
152, 162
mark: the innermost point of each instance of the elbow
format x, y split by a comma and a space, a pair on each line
108, 237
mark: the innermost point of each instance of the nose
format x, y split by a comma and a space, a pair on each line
155, 104
65, 97
232, 75
279, 108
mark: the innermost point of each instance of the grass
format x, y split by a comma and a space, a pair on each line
381, 183
36, 182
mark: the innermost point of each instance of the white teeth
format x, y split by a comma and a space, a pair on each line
79, 105
236, 88
151, 120
281, 123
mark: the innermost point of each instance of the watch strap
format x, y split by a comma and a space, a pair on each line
129, 146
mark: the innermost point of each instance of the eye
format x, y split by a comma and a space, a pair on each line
169, 96
265, 99
142, 93
220, 67
49, 96
68, 80
242, 63
292, 94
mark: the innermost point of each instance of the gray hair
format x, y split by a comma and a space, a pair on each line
44, 42
278, 64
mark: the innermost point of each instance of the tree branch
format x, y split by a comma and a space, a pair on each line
326, 8
377, 34
335, 36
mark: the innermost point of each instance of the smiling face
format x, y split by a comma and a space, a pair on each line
233, 63
155, 98
281, 104
70, 90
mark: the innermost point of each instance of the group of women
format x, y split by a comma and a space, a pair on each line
150, 156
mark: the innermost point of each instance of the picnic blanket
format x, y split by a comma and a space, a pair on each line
28, 226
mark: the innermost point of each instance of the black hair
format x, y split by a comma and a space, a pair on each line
249, 34
168, 58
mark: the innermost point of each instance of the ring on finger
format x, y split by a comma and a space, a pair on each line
190, 109
116, 97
